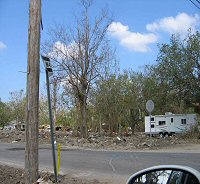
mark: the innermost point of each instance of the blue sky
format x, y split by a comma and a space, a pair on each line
138, 26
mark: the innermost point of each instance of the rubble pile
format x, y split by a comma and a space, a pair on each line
12, 136
97, 141
137, 141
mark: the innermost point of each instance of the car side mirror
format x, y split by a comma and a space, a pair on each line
166, 174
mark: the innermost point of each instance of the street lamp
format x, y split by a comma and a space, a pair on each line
47, 64
49, 72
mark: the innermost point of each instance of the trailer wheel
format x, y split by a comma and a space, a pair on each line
166, 134
161, 134
170, 134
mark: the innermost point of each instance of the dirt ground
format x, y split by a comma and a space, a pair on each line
11, 175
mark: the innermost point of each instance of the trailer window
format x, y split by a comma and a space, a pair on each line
183, 121
172, 120
152, 118
161, 122
152, 126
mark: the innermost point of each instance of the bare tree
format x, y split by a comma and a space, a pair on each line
81, 55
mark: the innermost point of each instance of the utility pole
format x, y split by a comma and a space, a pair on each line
32, 105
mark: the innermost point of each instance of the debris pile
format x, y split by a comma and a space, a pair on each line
99, 141
12, 136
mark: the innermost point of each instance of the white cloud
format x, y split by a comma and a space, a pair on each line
63, 51
179, 24
2, 45
59, 50
65, 82
132, 40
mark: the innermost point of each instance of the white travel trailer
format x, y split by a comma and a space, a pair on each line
169, 123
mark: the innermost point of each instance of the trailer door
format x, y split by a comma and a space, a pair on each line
171, 120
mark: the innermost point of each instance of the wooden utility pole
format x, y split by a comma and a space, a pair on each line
32, 106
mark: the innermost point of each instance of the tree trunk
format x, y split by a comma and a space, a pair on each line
83, 106
133, 128
32, 106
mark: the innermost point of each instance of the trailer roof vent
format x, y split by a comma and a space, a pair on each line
168, 113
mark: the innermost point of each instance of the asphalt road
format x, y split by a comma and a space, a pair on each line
87, 163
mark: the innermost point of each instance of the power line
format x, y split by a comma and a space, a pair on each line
198, 1
194, 4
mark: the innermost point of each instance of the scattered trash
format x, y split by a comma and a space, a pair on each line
98, 141
14, 141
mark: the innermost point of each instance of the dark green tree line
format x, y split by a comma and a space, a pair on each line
178, 69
